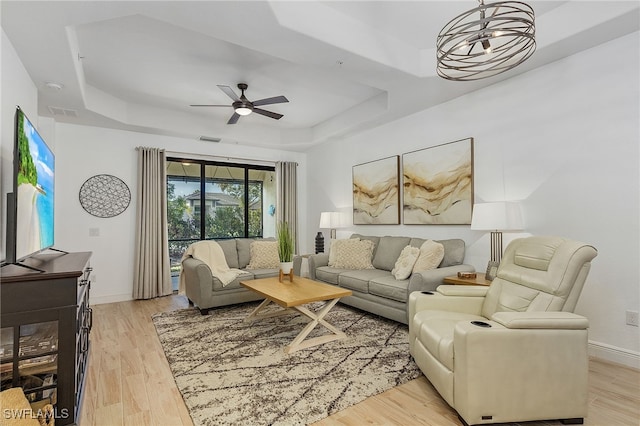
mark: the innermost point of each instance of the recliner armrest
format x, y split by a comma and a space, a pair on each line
463, 290
435, 301
541, 320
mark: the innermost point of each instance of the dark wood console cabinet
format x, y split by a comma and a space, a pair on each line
46, 320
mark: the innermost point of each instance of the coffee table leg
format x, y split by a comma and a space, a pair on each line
316, 318
255, 315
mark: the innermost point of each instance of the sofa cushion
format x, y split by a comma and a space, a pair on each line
329, 274
265, 273
404, 265
388, 251
359, 280
264, 255
351, 254
375, 240
453, 252
230, 252
389, 288
431, 255
235, 284
244, 251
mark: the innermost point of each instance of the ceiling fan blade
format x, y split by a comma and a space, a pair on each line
229, 91
210, 105
268, 101
234, 118
269, 114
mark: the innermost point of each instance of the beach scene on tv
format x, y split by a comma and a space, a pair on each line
34, 217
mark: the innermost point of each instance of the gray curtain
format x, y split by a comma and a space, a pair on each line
152, 273
287, 196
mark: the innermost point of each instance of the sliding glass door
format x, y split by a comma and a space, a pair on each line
213, 200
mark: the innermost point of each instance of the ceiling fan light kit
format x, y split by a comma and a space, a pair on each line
243, 106
486, 41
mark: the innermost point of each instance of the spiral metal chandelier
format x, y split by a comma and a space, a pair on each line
486, 41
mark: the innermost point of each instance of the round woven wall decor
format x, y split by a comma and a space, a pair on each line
104, 196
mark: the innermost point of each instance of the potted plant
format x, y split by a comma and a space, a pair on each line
285, 246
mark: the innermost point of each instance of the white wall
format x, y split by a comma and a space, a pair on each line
565, 138
87, 151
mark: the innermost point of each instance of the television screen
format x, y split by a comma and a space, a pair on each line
33, 190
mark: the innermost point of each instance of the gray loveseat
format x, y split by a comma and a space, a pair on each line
205, 291
377, 290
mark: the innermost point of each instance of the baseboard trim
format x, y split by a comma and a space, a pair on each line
614, 354
99, 300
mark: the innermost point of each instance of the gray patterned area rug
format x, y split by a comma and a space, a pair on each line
231, 372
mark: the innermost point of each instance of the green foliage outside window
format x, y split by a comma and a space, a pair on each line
222, 222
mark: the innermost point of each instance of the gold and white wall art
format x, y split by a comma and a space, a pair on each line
376, 198
438, 184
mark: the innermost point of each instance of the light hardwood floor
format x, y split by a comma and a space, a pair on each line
129, 382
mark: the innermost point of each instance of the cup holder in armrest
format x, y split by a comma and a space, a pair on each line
481, 324
426, 292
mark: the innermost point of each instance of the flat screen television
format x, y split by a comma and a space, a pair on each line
30, 208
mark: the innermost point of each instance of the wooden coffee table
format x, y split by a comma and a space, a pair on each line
293, 295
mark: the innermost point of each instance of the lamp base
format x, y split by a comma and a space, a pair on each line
319, 243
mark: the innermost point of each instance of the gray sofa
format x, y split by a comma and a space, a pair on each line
376, 290
205, 291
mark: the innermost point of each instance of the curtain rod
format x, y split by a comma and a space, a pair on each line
218, 157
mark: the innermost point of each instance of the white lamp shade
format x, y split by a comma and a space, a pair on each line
498, 216
330, 220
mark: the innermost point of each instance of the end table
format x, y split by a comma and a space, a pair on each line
478, 280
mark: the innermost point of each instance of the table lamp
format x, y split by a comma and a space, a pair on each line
496, 217
328, 220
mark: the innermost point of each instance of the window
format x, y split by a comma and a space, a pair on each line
207, 200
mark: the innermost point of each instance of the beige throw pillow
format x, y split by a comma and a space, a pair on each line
263, 255
352, 253
405, 262
332, 250
431, 254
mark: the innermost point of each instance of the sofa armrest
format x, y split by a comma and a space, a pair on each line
315, 261
198, 279
297, 266
430, 280
541, 320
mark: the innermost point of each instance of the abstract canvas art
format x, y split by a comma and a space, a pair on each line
438, 184
376, 199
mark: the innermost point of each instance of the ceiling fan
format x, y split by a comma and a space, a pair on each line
243, 106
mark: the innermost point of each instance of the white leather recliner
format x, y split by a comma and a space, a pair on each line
513, 351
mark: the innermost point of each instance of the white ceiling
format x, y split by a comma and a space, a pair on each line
345, 66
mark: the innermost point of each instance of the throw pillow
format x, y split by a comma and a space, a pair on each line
431, 254
263, 255
352, 253
333, 252
404, 264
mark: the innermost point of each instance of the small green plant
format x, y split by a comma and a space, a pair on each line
285, 242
